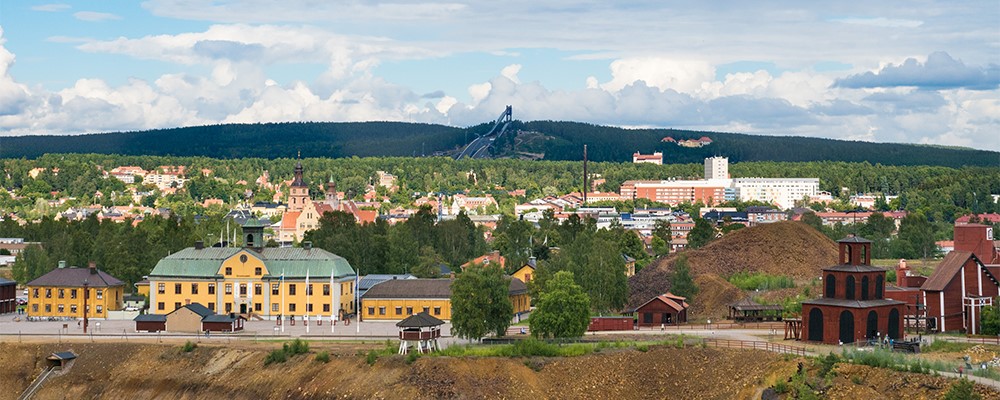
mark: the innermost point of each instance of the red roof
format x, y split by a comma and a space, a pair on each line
992, 217
289, 218
668, 139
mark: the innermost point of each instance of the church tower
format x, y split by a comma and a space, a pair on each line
298, 193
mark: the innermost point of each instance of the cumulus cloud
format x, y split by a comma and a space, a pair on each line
940, 71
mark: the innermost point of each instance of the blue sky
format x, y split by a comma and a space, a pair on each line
914, 72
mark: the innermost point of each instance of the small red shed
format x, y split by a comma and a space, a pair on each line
665, 309
150, 323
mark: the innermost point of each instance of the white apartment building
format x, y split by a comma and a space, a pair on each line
717, 168
783, 192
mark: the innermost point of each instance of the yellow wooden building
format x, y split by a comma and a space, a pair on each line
400, 298
267, 282
60, 293
526, 273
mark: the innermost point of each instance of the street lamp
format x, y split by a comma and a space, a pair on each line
86, 295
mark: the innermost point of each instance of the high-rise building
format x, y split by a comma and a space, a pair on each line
717, 168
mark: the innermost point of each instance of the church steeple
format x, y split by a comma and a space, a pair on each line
331, 194
298, 193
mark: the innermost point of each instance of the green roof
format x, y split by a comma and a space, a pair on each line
292, 261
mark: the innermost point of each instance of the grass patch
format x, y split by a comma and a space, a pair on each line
945, 346
323, 357
880, 358
760, 281
189, 346
287, 350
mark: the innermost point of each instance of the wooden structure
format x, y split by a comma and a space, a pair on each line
150, 323
747, 310
187, 318
223, 323
65, 292
665, 309
61, 360
611, 324
421, 329
958, 290
793, 328
853, 306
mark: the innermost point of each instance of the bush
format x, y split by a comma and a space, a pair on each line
643, 348
962, 390
372, 357
827, 363
297, 346
275, 356
189, 346
781, 387
323, 357
411, 357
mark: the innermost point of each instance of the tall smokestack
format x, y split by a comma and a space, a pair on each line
584, 175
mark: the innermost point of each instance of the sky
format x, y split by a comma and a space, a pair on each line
923, 72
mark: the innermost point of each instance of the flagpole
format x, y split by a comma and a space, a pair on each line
281, 315
307, 301
357, 303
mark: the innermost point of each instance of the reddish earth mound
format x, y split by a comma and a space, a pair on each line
783, 248
714, 296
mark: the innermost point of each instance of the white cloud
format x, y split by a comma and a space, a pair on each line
53, 7
93, 16
685, 76
881, 22
510, 72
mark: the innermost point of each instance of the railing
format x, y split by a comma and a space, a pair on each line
719, 326
756, 345
983, 339
36, 384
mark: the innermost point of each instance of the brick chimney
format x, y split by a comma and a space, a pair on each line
902, 271
93, 267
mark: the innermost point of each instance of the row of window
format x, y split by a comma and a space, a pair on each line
61, 293
61, 309
399, 310
258, 289
257, 307
256, 271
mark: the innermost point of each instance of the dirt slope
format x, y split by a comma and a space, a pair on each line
783, 248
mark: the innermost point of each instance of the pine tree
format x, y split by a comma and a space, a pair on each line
682, 284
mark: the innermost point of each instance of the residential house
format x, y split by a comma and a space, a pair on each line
62, 291
396, 299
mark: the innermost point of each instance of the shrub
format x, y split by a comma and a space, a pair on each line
856, 380
962, 389
827, 363
372, 357
781, 387
275, 356
411, 357
189, 346
323, 357
297, 346
643, 348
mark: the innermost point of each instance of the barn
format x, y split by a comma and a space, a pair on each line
665, 309
853, 307
187, 318
222, 323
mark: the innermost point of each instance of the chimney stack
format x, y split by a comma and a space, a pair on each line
902, 271
93, 267
62, 263
198, 245
307, 245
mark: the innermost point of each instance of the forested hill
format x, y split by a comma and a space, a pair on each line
556, 140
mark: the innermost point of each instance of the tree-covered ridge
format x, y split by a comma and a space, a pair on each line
560, 141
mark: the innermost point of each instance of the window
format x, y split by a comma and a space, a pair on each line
48, 308
72, 308
229, 288
229, 270
371, 310
256, 307
326, 290
399, 310
309, 307
100, 294
437, 310
211, 306
35, 293
381, 311
274, 307
326, 308
72, 293
427, 310
34, 307
100, 308
291, 290
274, 289
309, 289
243, 289
258, 289
291, 307
177, 288
211, 288
160, 306
161, 288
409, 310
229, 308
61, 308
177, 305
257, 271
194, 288
48, 293
62, 293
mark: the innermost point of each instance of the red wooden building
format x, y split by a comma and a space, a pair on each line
853, 306
8, 296
665, 309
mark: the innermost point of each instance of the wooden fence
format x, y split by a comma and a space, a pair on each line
983, 339
720, 326
757, 345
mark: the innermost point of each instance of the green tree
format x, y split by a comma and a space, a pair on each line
963, 389
480, 302
681, 282
990, 319
662, 230
702, 233
563, 310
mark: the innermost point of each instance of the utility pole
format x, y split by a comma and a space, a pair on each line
86, 294
584, 175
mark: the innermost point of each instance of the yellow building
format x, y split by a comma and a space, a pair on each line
525, 273
397, 299
267, 282
61, 292
142, 288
